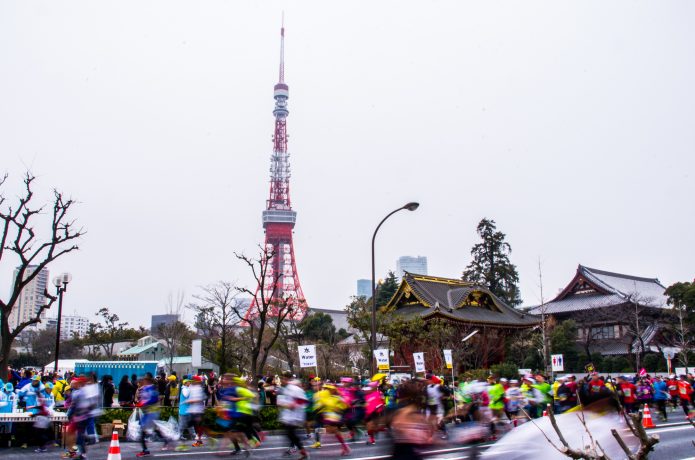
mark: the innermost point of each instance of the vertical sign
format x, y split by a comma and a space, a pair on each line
382, 359
448, 359
419, 359
558, 363
307, 356
196, 354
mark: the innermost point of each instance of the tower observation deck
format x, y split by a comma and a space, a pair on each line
279, 284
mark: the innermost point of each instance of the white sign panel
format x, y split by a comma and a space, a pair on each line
448, 359
524, 372
307, 356
558, 363
419, 359
382, 359
682, 370
196, 353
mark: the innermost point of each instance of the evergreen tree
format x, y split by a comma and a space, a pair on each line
563, 340
386, 289
491, 266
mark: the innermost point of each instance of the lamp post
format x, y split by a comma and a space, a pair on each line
412, 206
61, 284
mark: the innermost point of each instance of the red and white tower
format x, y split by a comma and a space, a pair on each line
281, 282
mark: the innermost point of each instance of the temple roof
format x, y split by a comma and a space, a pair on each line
455, 300
592, 288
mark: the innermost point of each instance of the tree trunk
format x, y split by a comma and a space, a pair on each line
5, 359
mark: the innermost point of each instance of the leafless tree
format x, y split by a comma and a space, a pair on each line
174, 333
637, 315
680, 333
592, 448
290, 334
269, 310
20, 237
217, 319
544, 322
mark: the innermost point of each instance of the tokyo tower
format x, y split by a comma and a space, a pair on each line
279, 283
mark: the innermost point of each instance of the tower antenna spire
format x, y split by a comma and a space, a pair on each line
279, 284
282, 49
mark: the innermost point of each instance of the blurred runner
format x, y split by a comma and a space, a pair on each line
410, 429
292, 402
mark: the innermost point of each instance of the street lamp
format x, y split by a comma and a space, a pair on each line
470, 335
412, 206
61, 284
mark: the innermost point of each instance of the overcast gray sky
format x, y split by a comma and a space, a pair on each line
569, 123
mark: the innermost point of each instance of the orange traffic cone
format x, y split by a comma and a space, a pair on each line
114, 448
647, 421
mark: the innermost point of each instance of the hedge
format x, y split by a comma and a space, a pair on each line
268, 416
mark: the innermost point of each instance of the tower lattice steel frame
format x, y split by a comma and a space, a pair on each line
280, 285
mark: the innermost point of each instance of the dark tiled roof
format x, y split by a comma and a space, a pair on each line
578, 303
448, 298
648, 291
611, 289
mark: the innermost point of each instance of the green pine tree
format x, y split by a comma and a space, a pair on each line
386, 289
491, 266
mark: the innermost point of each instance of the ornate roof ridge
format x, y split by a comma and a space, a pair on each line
618, 275
436, 279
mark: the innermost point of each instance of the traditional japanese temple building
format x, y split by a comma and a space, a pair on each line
467, 306
615, 313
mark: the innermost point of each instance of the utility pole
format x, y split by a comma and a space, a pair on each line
543, 319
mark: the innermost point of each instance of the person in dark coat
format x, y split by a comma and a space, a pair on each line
107, 390
126, 392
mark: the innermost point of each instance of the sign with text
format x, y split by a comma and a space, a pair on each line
558, 363
448, 359
382, 359
307, 356
419, 360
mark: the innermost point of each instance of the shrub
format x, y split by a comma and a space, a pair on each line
268, 416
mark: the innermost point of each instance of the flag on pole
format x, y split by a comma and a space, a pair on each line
382, 359
419, 359
307, 356
448, 359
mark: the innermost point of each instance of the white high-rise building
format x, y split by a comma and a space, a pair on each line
32, 297
70, 325
417, 265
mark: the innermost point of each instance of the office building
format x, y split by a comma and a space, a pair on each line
364, 288
32, 297
158, 320
416, 265
70, 326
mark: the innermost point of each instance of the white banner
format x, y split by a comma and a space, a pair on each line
419, 359
196, 353
448, 359
382, 359
307, 356
558, 363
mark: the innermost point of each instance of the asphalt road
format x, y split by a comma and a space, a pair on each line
675, 443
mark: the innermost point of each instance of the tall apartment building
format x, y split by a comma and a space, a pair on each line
416, 265
32, 297
364, 288
70, 325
